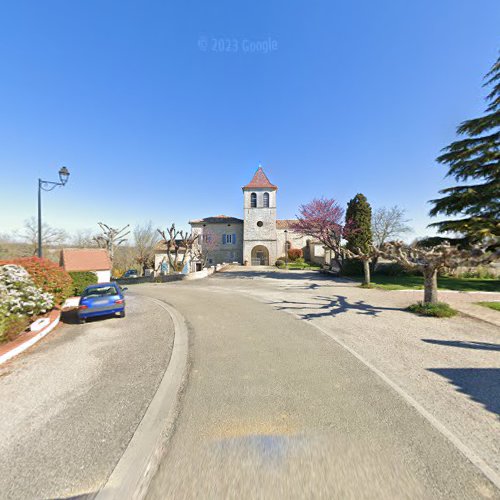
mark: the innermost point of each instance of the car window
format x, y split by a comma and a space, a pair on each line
100, 291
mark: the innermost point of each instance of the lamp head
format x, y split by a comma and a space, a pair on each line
63, 175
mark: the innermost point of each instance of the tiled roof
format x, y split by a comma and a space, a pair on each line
217, 219
285, 223
260, 180
85, 259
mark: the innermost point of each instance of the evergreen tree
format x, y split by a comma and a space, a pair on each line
358, 233
358, 218
475, 158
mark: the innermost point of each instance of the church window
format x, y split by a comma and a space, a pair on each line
253, 200
266, 200
260, 223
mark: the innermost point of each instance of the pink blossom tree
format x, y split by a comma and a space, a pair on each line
323, 220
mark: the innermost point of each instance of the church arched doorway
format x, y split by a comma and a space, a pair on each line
260, 256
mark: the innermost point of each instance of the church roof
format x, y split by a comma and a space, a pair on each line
215, 219
260, 180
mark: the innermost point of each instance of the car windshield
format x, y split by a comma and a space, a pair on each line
101, 291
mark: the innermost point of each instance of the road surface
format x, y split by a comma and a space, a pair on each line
275, 409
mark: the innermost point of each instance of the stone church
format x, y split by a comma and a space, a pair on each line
259, 239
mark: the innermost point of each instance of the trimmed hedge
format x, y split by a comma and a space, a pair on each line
81, 280
46, 275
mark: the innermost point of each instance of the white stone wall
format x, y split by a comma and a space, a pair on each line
219, 251
254, 234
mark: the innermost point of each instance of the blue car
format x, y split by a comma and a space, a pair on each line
101, 300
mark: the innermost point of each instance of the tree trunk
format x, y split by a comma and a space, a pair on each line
366, 270
430, 286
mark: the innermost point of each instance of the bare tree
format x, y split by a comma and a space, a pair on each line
366, 256
146, 238
83, 238
388, 224
51, 236
179, 246
111, 238
204, 247
431, 260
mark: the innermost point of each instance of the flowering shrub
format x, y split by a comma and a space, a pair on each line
19, 295
46, 275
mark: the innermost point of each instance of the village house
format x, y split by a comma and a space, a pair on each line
95, 260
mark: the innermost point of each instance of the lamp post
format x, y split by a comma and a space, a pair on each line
286, 248
48, 186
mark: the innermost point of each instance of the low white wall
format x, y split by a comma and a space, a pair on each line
103, 276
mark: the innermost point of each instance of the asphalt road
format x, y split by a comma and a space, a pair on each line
275, 409
70, 405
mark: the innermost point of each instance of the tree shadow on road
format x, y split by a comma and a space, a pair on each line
481, 384
465, 344
330, 307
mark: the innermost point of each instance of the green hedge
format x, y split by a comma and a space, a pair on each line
81, 280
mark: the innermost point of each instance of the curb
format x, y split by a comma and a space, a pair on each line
33, 340
135, 469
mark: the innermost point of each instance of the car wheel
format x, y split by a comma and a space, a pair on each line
81, 321
122, 314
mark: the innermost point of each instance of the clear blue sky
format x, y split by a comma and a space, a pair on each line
154, 124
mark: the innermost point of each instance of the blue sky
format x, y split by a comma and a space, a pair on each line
155, 123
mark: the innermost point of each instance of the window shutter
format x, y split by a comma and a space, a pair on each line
223, 239
234, 239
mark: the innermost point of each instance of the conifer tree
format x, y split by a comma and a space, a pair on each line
475, 159
358, 219
358, 233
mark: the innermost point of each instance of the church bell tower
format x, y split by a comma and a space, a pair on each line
259, 233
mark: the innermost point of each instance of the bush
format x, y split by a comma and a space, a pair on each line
20, 299
12, 326
280, 263
81, 280
352, 267
295, 253
392, 269
46, 275
481, 272
437, 310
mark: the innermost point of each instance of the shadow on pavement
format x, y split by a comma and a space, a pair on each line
465, 344
331, 306
481, 384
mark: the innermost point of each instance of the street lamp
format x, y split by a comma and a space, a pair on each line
48, 186
286, 248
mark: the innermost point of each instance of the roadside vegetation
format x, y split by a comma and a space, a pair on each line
491, 305
436, 310
409, 282
29, 288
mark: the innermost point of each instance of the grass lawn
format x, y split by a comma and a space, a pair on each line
492, 305
444, 283
304, 265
